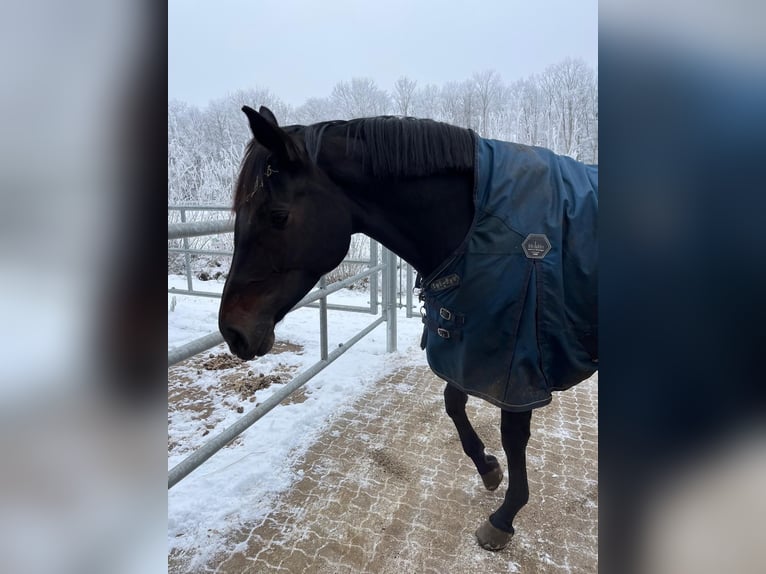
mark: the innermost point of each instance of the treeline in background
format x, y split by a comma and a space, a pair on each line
556, 109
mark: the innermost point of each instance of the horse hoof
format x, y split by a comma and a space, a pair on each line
493, 478
491, 538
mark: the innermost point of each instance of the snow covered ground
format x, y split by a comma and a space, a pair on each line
240, 483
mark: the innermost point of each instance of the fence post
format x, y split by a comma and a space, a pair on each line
323, 320
373, 277
187, 257
409, 291
390, 308
399, 290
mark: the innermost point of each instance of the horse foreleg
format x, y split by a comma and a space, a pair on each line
487, 465
496, 532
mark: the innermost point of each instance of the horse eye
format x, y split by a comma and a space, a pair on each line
279, 219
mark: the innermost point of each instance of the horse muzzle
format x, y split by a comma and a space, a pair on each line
248, 344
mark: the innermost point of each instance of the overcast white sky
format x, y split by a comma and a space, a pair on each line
302, 48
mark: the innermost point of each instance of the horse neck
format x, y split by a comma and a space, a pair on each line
423, 220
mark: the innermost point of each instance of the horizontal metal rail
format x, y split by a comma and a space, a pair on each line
337, 286
178, 354
194, 460
198, 228
330, 306
349, 308
176, 291
356, 261
200, 207
203, 251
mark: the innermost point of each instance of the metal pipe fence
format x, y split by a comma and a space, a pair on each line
179, 207
186, 250
198, 228
405, 287
194, 460
387, 267
178, 354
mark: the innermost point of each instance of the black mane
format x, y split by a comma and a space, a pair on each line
387, 146
391, 146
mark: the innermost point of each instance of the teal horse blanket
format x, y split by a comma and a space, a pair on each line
511, 315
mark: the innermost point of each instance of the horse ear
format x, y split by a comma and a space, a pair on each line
269, 134
267, 114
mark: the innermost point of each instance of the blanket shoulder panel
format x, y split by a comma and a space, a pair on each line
515, 328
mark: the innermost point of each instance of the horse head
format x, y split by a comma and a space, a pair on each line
292, 226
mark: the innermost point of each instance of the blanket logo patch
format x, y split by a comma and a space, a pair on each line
536, 246
445, 282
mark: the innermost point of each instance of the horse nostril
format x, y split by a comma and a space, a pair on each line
236, 339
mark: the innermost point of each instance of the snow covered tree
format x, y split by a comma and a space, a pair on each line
404, 96
316, 110
489, 91
568, 88
360, 98
425, 103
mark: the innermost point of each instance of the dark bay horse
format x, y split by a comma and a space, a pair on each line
415, 186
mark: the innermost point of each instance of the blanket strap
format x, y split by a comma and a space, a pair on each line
438, 327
